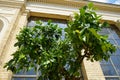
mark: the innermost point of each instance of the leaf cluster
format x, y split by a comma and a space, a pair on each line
42, 48
83, 32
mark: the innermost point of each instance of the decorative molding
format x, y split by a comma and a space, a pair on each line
1, 25
78, 4
5, 23
5, 20
12, 3
65, 12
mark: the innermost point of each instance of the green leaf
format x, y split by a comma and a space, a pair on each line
90, 5
93, 31
105, 24
39, 22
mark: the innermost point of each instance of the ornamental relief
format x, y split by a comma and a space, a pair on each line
9, 17
3, 26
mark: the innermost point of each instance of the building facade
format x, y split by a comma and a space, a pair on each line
14, 15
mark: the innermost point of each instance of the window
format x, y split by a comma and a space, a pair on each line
111, 69
32, 75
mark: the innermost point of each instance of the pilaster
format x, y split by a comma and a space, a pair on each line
10, 49
11, 12
92, 70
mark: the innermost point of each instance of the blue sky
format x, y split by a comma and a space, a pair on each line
108, 1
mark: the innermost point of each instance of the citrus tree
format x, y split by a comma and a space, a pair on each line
42, 48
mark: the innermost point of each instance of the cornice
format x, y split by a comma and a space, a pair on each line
78, 4
60, 10
12, 3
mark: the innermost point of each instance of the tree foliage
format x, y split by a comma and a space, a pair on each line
41, 47
83, 32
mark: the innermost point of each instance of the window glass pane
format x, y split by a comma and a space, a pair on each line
104, 31
118, 41
112, 78
24, 79
30, 72
111, 41
32, 19
59, 22
116, 62
20, 73
117, 51
108, 70
105, 62
115, 36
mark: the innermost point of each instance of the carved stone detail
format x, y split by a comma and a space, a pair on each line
4, 24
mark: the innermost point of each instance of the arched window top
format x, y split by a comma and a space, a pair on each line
1, 25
